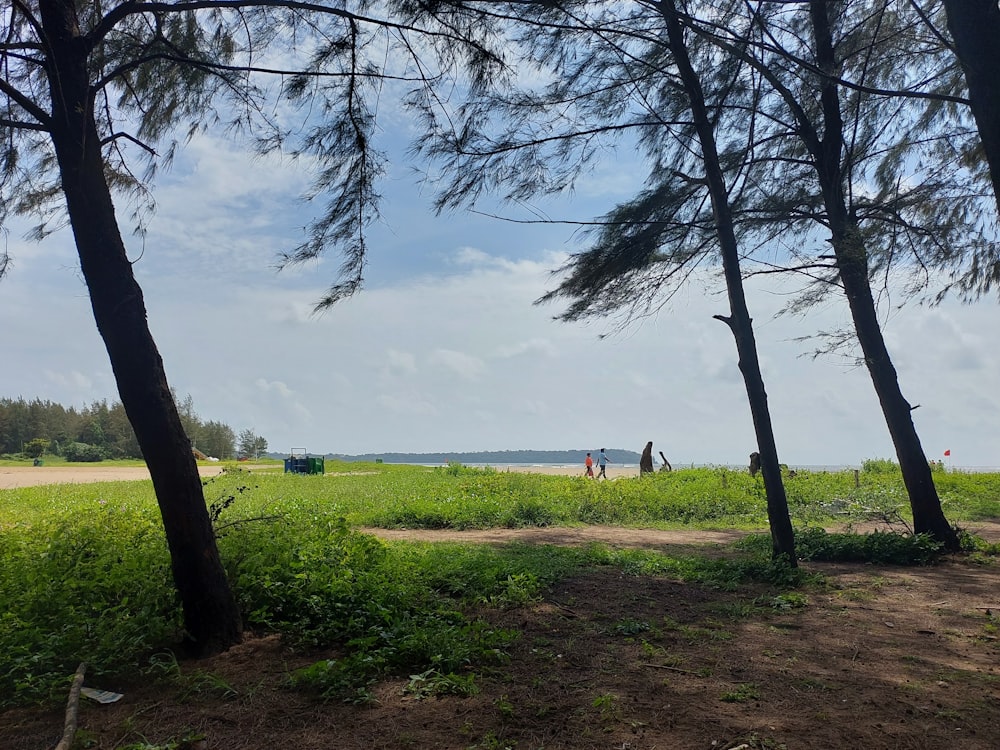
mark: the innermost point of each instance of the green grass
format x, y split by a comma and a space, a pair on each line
50, 460
85, 575
394, 496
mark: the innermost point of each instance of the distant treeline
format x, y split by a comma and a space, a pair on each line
493, 458
96, 431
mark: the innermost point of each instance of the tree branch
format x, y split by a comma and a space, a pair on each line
727, 320
127, 136
72, 709
26, 104
133, 7
18, 125
810, 67
219, 67
29, 17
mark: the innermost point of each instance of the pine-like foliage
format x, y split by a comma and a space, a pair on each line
602, 76
305, 79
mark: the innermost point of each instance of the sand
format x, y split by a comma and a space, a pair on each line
613, 472
31, 476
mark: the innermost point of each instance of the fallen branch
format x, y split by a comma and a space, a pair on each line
564, 608
72, 709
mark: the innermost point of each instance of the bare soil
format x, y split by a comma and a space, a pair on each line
878, 657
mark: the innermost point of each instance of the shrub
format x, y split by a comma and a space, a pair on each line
879, 466
884, 504
877, 547
35, 448
69, 592
83, 452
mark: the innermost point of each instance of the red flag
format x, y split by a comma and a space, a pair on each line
947, 452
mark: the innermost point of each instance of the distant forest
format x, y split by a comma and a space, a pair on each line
95, 432
101, 430
493, 458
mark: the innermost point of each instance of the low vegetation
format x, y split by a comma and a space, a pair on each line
85, 576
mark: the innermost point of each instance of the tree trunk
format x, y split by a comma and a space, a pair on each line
852, 263
928, 517
975, 28
739, 321
211, 616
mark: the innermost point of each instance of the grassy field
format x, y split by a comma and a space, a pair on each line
50, 460
84, 571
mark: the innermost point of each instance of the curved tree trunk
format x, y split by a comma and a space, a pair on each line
739, 321
852, 263
928, 517
975, 27
211, 616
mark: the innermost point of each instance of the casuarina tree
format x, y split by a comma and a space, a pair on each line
93, 94
975, 28
625, 70
857, 156
843, 161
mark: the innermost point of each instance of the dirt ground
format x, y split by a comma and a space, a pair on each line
878, 657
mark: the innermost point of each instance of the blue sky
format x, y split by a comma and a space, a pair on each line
444, 350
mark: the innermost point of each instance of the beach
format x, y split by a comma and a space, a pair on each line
566, 470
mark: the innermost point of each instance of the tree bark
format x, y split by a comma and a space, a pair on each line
211, 617
852, 262
739, 321
928, 517
975, 28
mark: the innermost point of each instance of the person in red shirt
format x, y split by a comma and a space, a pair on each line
589, 463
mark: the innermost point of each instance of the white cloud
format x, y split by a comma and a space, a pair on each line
402, 363
446, 351
352, 380
501, 374
465, 366
74, 380
526, 348
408, 406
276, 388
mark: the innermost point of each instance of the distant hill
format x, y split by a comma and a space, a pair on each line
493, 458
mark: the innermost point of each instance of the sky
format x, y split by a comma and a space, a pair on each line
444, 350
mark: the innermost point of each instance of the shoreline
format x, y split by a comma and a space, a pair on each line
566, 470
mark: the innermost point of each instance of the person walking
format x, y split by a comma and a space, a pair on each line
602, 462
589, 463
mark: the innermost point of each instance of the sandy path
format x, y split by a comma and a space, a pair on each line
31, 476
565, 536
